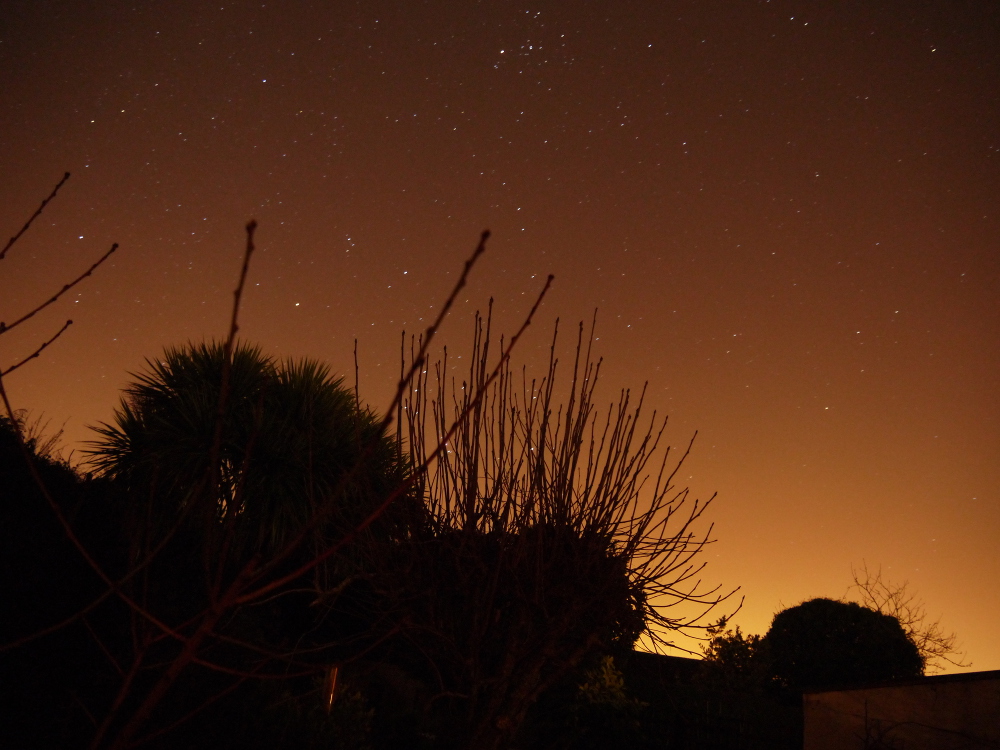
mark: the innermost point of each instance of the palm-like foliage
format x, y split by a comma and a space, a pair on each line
285, 444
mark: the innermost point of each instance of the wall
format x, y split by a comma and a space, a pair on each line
947, 712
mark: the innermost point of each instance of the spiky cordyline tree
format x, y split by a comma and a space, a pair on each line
554, 532
288, 436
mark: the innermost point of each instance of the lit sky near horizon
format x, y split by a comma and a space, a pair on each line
785, 213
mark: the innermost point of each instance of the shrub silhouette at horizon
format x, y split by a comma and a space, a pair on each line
825, 643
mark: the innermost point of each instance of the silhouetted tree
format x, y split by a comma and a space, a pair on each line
232, 461
547, 542
824, 643
289, 437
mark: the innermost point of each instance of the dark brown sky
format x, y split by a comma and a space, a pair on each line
786, 212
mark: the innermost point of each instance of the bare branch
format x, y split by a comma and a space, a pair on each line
936, 646
238, 292
16, 237
37, 351
4, 328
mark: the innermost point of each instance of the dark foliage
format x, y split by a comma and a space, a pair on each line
591, 707
45, 683
289, 469
823, 643
289, 436
490, 620
294, 434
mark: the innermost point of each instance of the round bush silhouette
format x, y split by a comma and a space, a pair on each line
824, 643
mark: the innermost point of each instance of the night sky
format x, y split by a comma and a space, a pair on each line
786, 214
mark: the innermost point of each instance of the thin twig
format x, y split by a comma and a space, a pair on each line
227, 364
37, 351
432, 329
4, 327
34, 216
357, 379
238, 293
